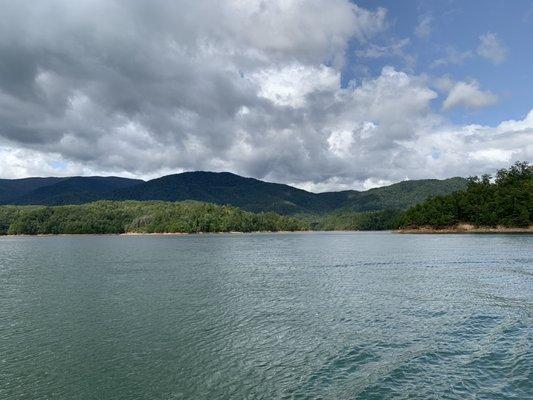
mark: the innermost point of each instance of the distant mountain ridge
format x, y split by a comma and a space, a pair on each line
60, 191
221, 188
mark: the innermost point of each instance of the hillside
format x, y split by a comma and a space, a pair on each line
76, 190
221, 188
57, 191
13, 189
505, 201
401, 195
225, 188
139, 217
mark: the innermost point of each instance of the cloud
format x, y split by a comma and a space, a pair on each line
492, 48
423, 29
469, 95
290, 85
126, 86
394, 50
474, 149
452, 56
252, 87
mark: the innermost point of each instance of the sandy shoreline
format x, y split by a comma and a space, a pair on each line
423, 230
200, 233
466, 228
180, 233
154, 233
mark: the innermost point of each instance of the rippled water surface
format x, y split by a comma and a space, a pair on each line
311, 315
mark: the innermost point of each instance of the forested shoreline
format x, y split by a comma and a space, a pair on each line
505, 201
138, 217
111, 217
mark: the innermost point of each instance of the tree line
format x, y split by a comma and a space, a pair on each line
506, 200
140, 217
346, 220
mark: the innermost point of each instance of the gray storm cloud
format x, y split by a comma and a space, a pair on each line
144, 88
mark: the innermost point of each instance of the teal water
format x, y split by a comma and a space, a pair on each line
303, 315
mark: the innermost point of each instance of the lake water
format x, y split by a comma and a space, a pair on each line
303, 315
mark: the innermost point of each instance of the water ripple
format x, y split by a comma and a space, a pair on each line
300, 316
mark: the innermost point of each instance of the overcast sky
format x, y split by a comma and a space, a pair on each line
321, 94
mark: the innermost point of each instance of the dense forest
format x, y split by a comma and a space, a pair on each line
506, 200
221, 188
352, 221
139, 217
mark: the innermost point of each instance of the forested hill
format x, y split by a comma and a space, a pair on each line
225, 188
57, 191
505, 201
400, 195
221, 188
104, 217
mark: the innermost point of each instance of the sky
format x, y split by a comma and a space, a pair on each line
320, 94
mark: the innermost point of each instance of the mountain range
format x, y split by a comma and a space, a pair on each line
221, 188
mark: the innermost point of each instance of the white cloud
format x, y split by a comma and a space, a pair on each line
376, 51
444, 83
492, 155
19, 162
520, 125
253, 87
452, 56
340, 142
469, 95
492, 48
395, 49
315, 31
423, 29
473, 149
289, 86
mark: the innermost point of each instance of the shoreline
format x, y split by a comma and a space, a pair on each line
422, 230
465, 228
184, 233
151, 233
